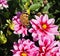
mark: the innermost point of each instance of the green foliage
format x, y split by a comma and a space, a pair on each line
35, 6
46, 8
3, 39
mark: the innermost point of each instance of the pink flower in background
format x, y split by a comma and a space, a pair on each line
3, 3
42, 26
25, 48
48, 47
19, 28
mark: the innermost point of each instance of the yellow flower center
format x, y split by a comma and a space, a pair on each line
23, 54
44, 26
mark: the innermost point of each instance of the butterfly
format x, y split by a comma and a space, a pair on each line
24, 19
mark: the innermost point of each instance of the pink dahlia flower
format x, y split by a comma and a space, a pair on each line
42, 26
25, 48
48, 47
3, 3
19, 28
58, 52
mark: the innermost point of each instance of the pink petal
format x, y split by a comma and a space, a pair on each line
34, 25
23, 34
37, 17
54, 49
15, 47
16, 55
45, 18
53, 29
41, 43
35, 21
51, 21
16, 27
31, 30
35, 36
53, 44
20, 47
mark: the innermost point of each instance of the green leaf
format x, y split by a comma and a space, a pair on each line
35, 6
36, 1
26, 5
57, 37
57, 11
6, 14
8, 32
58, 20
50, 15
45, 9
24, 1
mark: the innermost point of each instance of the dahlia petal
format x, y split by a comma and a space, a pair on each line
12, 51
15, 22
35, 21
15, 47
58, 54
14, 18
15, 32
54, 49
18, 14
48, 54
6, 6
40, 18
26, 31
18, 20
53, 30
35, 36
23, 35
31, 30
50, 36
53, 26
1, 7
53, 44
19, 31
16, 27
47, 41
19, 41
51, 21
41, 43
37, 17
33, 24
45, 18
16, 55
21, 47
